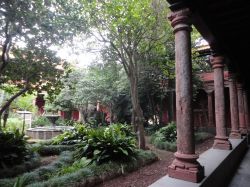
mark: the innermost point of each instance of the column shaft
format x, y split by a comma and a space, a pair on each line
242, 123
185, 165
221, 140
235, 133
210, 109
246, 111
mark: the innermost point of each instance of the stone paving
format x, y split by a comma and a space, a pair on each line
242, 174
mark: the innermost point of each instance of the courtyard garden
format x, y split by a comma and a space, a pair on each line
87, 93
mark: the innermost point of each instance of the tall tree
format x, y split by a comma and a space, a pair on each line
28, 29
29, 71
37, 23
131, 29
99, 82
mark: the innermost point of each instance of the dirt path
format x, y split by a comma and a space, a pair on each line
150, 173
45, 160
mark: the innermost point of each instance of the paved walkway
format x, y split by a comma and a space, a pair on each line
241, 177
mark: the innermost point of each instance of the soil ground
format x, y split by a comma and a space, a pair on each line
45, 160
150, 173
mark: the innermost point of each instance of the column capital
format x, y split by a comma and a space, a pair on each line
180, 20
231, 76
217, 61
239, 86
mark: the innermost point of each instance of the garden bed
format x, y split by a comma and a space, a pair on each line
88, 176
165, 138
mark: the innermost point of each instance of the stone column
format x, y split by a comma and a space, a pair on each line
185, 165
242, 123
210, 109
221, 140
235, 133
246, 112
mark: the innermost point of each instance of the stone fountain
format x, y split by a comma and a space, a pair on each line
52, 118
47, 132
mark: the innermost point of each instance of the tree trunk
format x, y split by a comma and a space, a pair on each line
10, 100
137, 115
110, 114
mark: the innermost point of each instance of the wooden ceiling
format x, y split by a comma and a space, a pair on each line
225, 24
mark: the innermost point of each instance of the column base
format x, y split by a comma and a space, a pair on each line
186, 167
235, 134
222, 143
243, 131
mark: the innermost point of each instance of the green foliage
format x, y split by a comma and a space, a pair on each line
79, 164
202, 136
13, 148
30, 163
165, 137
65, 122
63, 172
70, 137
167, 133
105, 144
41, 121
47, 150
24, 103
93, 174
42, 173
14, 124
19, 182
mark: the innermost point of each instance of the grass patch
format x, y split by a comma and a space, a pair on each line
42, 173
32, 163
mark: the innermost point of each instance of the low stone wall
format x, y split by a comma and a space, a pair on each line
219, 166
45, 133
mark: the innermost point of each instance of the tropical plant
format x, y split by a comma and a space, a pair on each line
165, 134
107, 144
13, 148
71, 137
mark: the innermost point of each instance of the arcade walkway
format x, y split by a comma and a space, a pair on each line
242, 174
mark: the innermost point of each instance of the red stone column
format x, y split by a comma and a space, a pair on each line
246, 111
185, 165
221, 140
235, 132
210, 109
242, 123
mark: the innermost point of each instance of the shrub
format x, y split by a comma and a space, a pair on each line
41, 121
46, 150
12, 148
14, 124
169, 132
63, 122
106, 144
151, 129
202, 136
83, 162
42, 173
71, 137
29, 164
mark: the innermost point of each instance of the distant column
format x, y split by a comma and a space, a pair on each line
185, 165
235, 132
210, 109
221, 140
246, 110
242, 122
